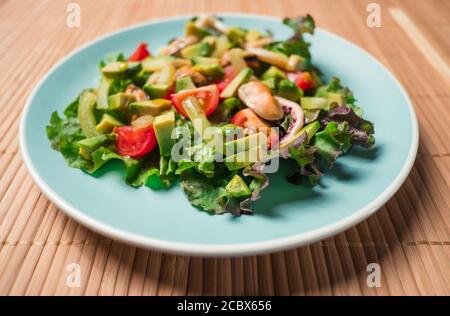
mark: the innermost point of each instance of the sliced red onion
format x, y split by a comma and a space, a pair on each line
298, 118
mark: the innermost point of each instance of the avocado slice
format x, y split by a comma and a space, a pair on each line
120, 68
192, 29
184, 83
310, 130
163, 125
120, 101
335, 98
86, 115
245, 143
150, 107
238, 188
271, 83
88, 145
200, 49
236, 35
107, 124
156, 91
289, 90
213, 71
314, 103
273, 72
232, 88
244, 158
221, 47
103, 92
199, 60
152, 64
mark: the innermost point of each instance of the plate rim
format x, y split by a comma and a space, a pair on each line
234, 249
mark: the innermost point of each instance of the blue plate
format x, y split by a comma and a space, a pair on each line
285, 216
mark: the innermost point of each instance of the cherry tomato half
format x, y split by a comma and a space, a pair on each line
305, 81
135, 142
140, 53
228, 77
209, 95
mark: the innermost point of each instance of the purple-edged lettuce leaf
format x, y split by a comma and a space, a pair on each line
359, 129
333, 141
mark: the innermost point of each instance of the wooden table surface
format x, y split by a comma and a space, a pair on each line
409, 237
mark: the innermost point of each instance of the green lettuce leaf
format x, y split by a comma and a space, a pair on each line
360, 130
303, 155
333, 141
202, 193
64, 134
334, 86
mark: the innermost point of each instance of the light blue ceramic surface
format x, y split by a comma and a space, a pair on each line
357, 186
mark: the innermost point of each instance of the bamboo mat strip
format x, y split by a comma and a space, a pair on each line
409, 237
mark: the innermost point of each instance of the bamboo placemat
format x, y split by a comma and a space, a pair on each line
409, 237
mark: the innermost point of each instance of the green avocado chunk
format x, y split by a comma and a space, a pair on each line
156, 63
192, 29
184, 83
86, 115
120, 101
199, 60
156, 91
273, 72
213, 71
103, 92
120, 68
310, 129
107, 124
287, 89
245, 143
200, 49
271, 83
244, 158
238, 188
232, 88
163, 125
236, 35
89, 145
335, 98
150, 107
314, 103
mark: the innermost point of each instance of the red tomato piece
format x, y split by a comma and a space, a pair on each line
228, 77
169, 93
135, 142
305, 81
140, 53
209, 95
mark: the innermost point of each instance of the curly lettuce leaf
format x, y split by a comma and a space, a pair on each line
202, 193
333, 141
64, 134
303, 155
359, 129
334, 86
310, 172
301, 25
296, 44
